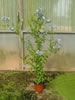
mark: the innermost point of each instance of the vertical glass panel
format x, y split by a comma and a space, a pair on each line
8, 8
61, 12
9, 52
64, 60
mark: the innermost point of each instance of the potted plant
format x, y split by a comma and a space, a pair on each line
36, 55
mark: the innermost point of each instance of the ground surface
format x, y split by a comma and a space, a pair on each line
15, 84
65, 85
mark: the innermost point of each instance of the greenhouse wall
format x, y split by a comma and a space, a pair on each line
9, 52
64, 59
8, 8
61, 13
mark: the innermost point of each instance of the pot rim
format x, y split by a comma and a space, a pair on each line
42, 83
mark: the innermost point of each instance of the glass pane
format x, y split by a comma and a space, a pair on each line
64, 60
61, 12
8, 8
9, 52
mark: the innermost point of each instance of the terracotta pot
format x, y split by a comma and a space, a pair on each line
38, 88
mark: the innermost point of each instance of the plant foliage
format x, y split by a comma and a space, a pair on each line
36, 56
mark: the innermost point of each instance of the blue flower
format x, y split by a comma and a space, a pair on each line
41, 53
59, 41
8, 28
54, 27
11, 28
48, 21
54, 47
40, 8
43, 17
5, 18
37, 11
37, 51
25, 66
40, 14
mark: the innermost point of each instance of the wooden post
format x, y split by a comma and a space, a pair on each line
72, 15
20, 22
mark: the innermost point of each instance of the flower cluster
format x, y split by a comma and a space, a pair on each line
39, 52
39, 14
5, 18
25, 66
58, 44
11, 27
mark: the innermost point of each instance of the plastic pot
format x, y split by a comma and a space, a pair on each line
39, 87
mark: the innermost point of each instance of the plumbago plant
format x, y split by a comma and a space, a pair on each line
36, 55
